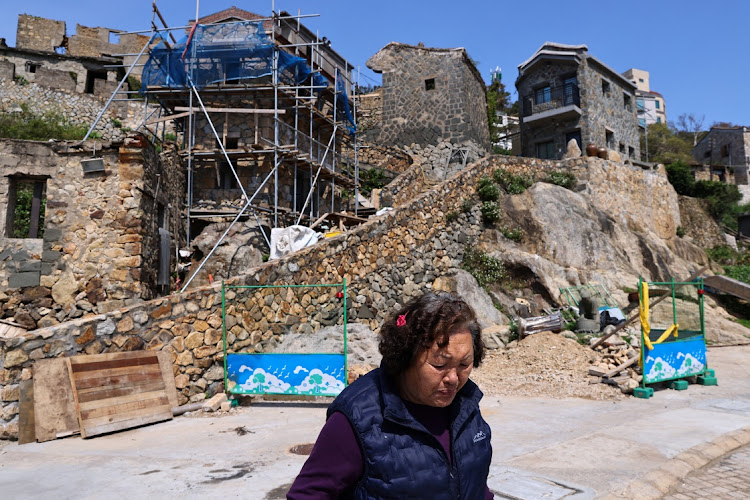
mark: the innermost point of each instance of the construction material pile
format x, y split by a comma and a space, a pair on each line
543, 365
618, 365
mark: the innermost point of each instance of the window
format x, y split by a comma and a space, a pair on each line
429, 84
657, 104
610, 139
27, 201
32, 67
545, 150
114, 38
725, 149
622, 148
631, 152
640, 80
639, 103
542, 95
627, 102
658, 119
226, 179
605, 87
231, 143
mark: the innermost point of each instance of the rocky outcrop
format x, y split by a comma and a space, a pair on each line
700, 227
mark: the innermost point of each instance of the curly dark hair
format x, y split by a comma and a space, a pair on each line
420, 323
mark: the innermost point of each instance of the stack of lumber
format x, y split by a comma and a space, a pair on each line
618, 365
96, 394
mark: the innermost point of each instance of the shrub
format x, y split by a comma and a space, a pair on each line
680, 231
116, 123
20, 80
485, 268
170, 137
680, 175
562, 179
490, 212
369, 179
466, 206
723, 254
741, 273
512, 183
31, 126
513, 234
451, 216
487, 190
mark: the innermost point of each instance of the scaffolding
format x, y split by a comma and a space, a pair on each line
254, 101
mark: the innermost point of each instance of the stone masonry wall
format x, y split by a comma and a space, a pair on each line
428, 95
602, 111
38, 33
98, 248
385, 262
79, 109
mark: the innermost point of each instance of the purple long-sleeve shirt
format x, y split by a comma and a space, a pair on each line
336, 465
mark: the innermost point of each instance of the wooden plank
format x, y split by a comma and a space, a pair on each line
134, 422
116, 372
79, 366
120, 400
167, 118
246, 111
620, 368
109, 356
133, 379
26, 432
89, 416
54, 406
133, 413
167, 373
118, 391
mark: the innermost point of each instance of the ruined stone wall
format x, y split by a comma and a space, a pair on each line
428, 95
38, 33
607, 111
97, 251
78, 109
698, 224
7, 70
385, 262
55, 79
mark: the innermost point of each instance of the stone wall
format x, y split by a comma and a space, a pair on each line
428, 95
78, 109
99, 247
698, 224
727, 147
385, 262
607, 111
7, 70
38, 33
55, 79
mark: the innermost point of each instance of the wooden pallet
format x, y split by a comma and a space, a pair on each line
118, 391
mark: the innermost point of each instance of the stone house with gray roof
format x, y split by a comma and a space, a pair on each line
565, 93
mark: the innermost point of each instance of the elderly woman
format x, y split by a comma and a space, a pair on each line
411, 428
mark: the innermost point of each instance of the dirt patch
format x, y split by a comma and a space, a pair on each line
542, 365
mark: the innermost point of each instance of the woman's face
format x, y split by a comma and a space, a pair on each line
438, 373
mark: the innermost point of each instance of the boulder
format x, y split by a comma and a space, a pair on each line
573, 150
464, 285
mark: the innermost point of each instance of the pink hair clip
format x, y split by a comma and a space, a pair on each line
401, 321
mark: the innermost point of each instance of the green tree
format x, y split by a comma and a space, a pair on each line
498, 101
665, 145
680, 175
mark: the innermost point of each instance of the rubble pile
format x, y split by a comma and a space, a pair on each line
617, 365
545, 364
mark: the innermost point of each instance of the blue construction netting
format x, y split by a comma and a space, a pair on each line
221, 53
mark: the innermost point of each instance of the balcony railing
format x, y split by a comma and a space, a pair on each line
550, 98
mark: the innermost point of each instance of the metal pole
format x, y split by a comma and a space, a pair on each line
275, 80
333, 158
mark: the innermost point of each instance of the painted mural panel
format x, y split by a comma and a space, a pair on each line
297, 374
673, 360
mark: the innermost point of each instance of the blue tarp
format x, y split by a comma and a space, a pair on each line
220, 53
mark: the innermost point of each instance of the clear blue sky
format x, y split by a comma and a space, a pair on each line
696, 51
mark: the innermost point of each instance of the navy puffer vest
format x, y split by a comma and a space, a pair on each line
402, 459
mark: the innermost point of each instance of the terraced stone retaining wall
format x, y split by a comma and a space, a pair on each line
385, 262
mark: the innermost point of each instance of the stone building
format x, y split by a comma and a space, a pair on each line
429, 95
81, 63
726, 148
82, 235
565, 93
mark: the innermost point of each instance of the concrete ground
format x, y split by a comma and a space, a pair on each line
543, 448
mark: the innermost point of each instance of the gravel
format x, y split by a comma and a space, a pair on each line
542, 365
